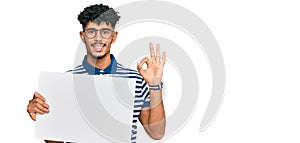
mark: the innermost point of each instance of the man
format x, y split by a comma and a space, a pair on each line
98, 23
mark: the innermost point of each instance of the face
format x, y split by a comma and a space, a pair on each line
98, 47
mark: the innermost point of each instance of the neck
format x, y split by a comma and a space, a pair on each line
99, 63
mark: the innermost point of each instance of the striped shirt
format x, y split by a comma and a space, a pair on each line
142, 96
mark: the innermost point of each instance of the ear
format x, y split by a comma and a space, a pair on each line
114, 37
81, 33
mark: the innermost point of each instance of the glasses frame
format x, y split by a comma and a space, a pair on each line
100, 31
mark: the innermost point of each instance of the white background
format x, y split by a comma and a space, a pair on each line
259, 40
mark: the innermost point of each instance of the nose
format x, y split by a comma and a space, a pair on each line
98, 36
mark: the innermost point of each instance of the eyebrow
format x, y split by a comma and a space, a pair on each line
100, 29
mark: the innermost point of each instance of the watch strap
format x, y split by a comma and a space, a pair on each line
156, 87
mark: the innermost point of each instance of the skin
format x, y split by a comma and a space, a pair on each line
100, 59
153, 117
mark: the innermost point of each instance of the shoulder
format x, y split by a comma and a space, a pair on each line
78, 70
130, 73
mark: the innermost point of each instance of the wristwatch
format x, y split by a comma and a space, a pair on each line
156, 87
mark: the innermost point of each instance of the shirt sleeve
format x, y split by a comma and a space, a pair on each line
146, 94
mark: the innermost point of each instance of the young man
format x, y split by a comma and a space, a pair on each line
98, 23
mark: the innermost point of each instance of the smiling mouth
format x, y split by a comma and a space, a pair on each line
98, 46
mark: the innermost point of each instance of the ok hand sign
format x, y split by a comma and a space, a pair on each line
154, 71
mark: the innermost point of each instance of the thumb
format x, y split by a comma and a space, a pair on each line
33, 116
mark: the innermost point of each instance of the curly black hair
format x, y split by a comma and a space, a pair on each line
98, 13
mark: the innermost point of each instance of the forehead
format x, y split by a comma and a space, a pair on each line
98, 26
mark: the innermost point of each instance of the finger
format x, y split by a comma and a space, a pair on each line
164, 56
152, 52
158, 59
38, 95
145, 60
35, 108
41, 102
40, 109
140, 69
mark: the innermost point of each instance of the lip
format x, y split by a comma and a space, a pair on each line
98, 47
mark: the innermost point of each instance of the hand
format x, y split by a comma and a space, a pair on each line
154, 71
37, 105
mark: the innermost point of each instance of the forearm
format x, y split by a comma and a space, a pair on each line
156, 118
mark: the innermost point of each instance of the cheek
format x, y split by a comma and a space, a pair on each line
87, 41
109, 41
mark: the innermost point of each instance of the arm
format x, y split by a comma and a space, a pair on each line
153, 117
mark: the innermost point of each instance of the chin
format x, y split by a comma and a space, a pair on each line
99, 56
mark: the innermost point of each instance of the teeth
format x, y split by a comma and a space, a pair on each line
98, 47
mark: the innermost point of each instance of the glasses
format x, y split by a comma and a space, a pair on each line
105, 33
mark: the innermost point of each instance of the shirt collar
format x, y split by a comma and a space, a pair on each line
92, 70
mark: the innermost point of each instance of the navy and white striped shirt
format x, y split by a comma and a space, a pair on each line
142, 96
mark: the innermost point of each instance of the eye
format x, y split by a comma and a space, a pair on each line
90, 31
106, 32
